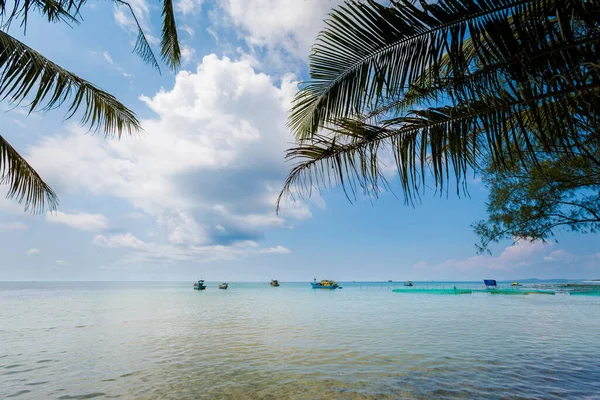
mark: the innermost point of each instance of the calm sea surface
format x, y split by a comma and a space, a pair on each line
165, 340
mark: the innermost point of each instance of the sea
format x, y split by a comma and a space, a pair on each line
148, 340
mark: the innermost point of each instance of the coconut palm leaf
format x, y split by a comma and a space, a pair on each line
54, 10
488, 77
22, 69
170, 50
368, 50
24, 183
142, 48
444, 141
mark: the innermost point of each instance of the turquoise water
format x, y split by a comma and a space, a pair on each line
165, 340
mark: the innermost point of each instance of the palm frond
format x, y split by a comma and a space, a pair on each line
142, 47
445, 140
170, 50
368, 51
54, 10
25, 185
22, 69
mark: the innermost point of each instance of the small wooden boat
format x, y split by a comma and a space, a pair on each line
199, 285
325, 284
515, 284
408, 283
274, 282
223, 285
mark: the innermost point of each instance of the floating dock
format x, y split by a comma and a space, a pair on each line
584, 293
453, 290
514, 291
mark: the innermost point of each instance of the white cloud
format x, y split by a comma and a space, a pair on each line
186, 54
291, 26
188, 6
123, 16
19, 123
108, 58
124, 240
188, 29
560, 255
208, 168
12, 226
276, 250
81, 220
61, 262
522, 253
33, 252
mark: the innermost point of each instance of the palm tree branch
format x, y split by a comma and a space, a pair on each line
368, 48
142, 47
22, 68
24, 183
55, 11
170, 50
359, 36
449, 133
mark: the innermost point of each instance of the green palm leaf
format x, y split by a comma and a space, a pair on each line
54, 10
369, 50
505, 78
22, 69
24, 183
142, 47
170, 50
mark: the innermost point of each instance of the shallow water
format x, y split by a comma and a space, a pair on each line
165, 340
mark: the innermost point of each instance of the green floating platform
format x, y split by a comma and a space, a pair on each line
585, 293
510, 291
434, 290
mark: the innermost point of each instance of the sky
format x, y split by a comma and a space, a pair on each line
193, 196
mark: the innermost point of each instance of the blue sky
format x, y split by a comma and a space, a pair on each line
194, 194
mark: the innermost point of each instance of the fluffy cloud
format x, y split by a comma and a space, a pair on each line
82, 221
280, 24
33, 252
208, 168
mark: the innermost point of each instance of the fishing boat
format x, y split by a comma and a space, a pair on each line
199, 285
515, 284
325, 284
274, 282
408, 283
223, 285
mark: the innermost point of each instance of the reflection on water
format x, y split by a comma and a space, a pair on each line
148, 340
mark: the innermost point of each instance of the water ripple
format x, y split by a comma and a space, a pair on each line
145, 341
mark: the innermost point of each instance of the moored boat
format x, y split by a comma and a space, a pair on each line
199, 285
274, 282
223, 285
408, 283
325, 284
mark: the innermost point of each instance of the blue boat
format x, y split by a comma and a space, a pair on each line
199, 285
325, 284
